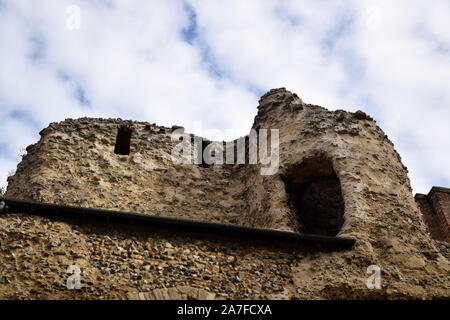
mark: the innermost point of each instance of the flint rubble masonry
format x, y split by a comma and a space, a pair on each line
362, 178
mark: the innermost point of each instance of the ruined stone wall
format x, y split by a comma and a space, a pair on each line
336, 155
74, 163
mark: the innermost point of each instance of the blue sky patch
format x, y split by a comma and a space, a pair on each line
340, 29
37, 52
78, 91
190, 33
284, 14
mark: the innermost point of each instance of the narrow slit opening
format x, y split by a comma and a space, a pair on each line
205, 143
123, 140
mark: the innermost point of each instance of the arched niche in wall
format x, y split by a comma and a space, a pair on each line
314, 193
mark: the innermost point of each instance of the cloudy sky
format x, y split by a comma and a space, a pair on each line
204, 65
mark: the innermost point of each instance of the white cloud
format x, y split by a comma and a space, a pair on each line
129, 60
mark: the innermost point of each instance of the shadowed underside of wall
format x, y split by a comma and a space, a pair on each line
338, 174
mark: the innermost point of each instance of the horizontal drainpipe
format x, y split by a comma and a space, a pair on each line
213, 228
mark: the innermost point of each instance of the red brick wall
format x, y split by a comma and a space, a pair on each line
435, 208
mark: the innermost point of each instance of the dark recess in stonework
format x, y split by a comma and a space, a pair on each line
201, 156
123, 140
314, 193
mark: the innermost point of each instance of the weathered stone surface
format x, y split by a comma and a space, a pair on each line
74, 163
